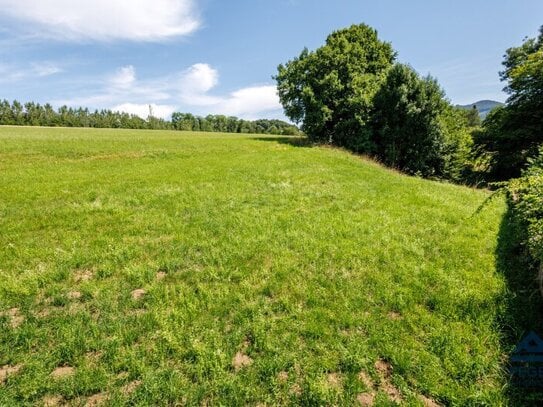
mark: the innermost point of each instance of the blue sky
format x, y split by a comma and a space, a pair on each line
211, 56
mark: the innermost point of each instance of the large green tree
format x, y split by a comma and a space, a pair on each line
330, 91
514, 133
408, 133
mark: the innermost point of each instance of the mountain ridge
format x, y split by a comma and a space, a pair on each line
483, 106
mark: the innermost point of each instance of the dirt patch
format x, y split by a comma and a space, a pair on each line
74, 295
366, 379
14, 316
96, 400
282, 377
366, 399
392, 392
129, 388
8, 370
241, 360
62, 372
296, 389
138, 294
428, 402
334, 380
44, 313
53, 401
384, 369
161, 275
394, 315
83, 275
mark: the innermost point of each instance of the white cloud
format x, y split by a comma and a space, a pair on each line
199, 79
104, 20
124, 77
187, 91
249, 102
142, 110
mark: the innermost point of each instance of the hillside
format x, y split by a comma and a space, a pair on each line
483, 106
163, 267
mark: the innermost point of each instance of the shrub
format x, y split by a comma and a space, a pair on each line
525, 199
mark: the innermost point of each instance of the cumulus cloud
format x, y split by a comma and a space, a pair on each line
198, 80
190, 90
249, 102
104, 20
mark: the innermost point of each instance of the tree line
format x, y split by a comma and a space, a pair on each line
231, 124
35, 114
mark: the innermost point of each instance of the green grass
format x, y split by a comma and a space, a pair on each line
311, 264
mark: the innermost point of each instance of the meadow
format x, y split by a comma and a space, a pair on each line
159, 267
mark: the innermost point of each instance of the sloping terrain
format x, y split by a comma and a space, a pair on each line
151, 267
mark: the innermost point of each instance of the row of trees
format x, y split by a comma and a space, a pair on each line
34, 114
231, 124
352, 93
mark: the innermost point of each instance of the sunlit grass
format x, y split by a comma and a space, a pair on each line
268, 273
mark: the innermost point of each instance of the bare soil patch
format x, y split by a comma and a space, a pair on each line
62, 372
366, 399
138, 293
8, 370
241, 360
96, 400
129, 388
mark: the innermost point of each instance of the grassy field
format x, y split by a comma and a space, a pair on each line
149, 267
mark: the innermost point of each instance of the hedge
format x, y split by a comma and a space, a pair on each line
525, 200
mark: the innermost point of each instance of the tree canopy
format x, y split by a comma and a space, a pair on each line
514, 132
407, 133
350, 93
330, 90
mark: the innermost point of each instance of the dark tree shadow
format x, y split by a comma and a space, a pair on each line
296, 141
523, 301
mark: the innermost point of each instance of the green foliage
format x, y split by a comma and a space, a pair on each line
330, 90
312, 262
34, 114
524, 72
525, 198
457, 127
407, 132
514, 132
350, 94
224, 124
473, 119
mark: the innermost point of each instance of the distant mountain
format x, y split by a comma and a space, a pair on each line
483, 106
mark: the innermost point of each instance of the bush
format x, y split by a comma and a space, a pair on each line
525, 199
416, 130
